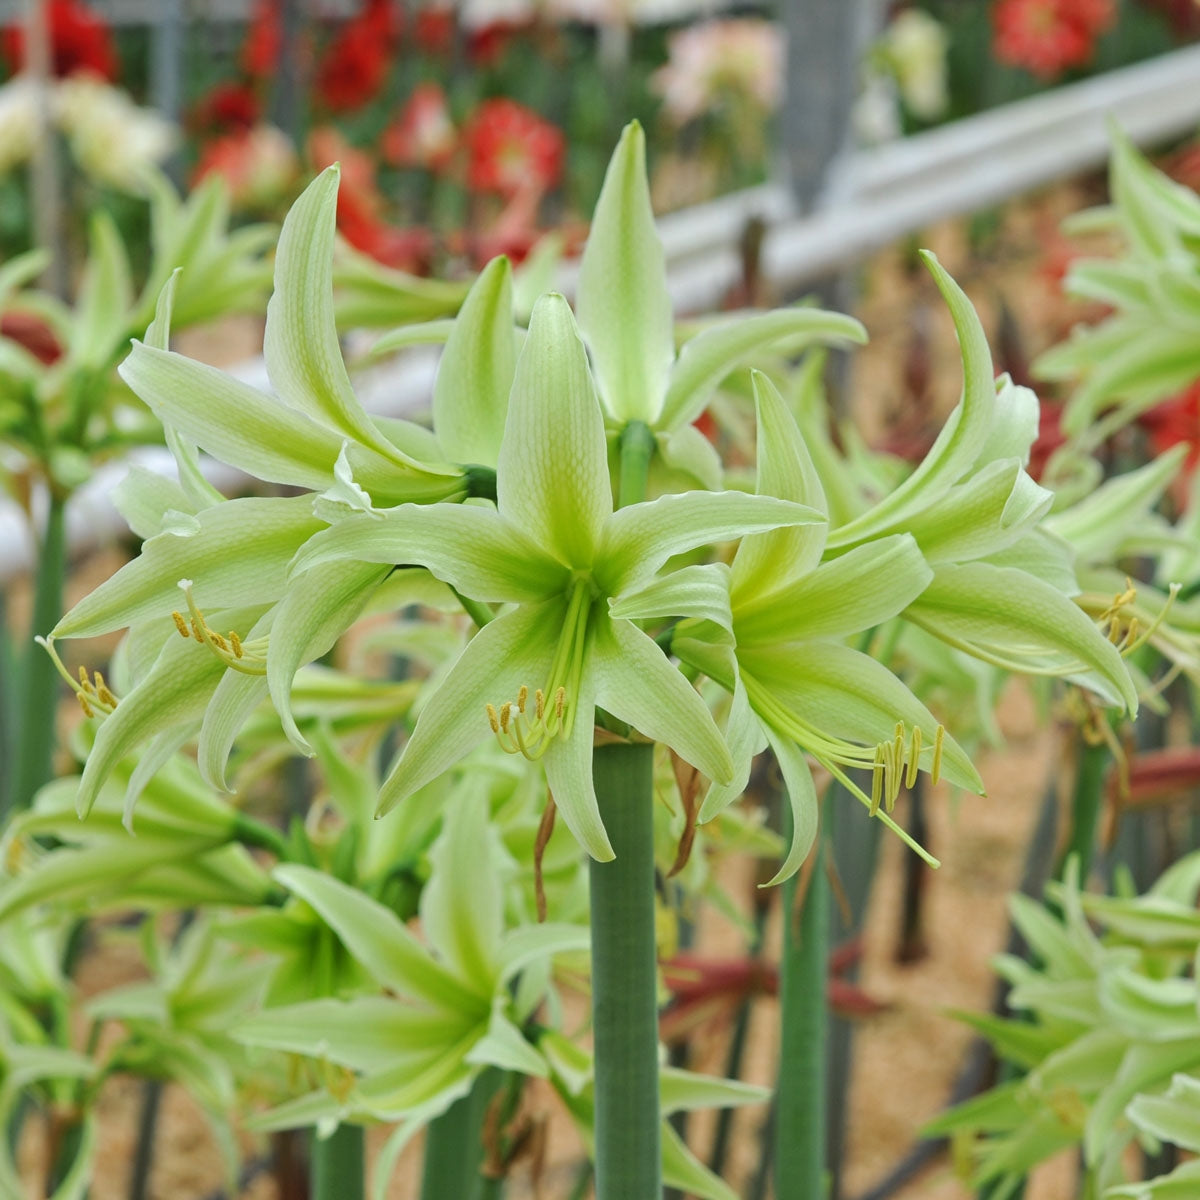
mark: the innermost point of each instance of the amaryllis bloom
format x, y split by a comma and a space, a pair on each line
264, 40
259, 166
79, 41
354, 68
227, 106
433, 29
423, 135
1048, 37
711, 61
510, 149
1176, 422
18, 122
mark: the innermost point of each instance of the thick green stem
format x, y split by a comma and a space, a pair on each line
800, 1116
1086, 803
339, 1165
637, 448
39, 682
624, 998
454, 1142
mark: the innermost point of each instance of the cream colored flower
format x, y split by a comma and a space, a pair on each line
18, 122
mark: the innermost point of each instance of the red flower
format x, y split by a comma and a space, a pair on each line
1047, 37
433, 30
34, 334
264, 40
511, 150
227, 106
354, 68
1176, 421
259, 166
487, 44
79, 41
423, 135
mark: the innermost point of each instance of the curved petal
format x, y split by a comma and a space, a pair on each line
624, 305
850, 696
858, 591
802, 799
745, 737
319, 606
785, 470
475, 375
304, 357
717, 351
697, 591
512, 650
568, 765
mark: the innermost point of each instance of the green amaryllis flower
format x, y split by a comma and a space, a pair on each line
553, 548
771, 631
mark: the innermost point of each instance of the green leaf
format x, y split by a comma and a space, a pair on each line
624, 306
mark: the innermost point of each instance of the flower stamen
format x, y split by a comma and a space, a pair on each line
248, 657
93, 694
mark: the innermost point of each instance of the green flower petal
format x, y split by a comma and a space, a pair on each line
636, 682
639, 539
304, 358
786, 471
802, 799
714, 353
552, 478
858, 591
238, 557
475, 375
624, 306
512, 650
470, 547
1010, 618
697, 591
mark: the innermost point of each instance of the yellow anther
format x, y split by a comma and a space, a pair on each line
196, 630
220, 642
539, 704
83, 703
105, 696
522, 696
505, 715
85, 682
877, 781
181, 625
935, 771
99, 681
914, 757
236, 643
493, 720
560, 702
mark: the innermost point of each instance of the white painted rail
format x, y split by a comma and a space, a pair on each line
874, 197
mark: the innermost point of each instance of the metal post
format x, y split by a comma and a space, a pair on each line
166, 66
287, 102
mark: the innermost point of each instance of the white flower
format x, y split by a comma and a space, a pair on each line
18, 122
915, 45
111, 138
876, 115
709, 62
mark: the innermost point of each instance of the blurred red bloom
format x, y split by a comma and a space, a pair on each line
488, 43
79, 41
511, 150
227, 106
1047, 37
264, 40
33, 333
354, 68
423, 135
258, 163
433, 30
1174, 422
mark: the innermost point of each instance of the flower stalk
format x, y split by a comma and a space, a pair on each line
338, 1164
624, 1002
